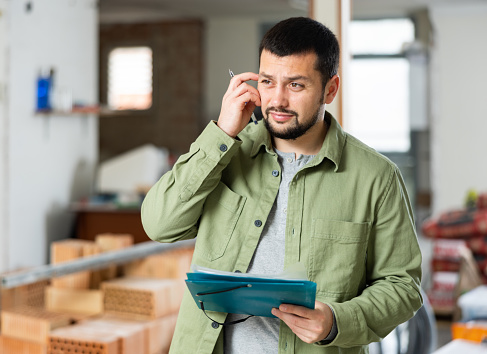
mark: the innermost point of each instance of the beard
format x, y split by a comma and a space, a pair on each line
296, 128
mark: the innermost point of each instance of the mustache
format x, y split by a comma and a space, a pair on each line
280, 110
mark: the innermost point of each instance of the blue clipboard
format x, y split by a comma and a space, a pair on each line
248, 295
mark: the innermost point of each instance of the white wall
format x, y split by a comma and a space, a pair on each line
459, 103
50, 159
3, 134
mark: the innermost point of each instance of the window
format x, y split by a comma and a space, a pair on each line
130, 78
379, 83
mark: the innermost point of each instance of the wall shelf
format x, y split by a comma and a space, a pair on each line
74, 112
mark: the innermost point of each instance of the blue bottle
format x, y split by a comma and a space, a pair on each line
44, 88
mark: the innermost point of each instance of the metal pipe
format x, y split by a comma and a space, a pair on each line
102, 260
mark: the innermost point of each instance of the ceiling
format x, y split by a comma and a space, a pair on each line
136, 10
395, 8
153, 10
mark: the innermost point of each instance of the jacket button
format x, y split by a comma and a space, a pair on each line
215, 325
275, 173
237, 271
258, 223
223, 147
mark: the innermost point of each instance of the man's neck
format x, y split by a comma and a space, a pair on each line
308, 144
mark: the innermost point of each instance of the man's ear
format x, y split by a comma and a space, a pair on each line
331, 89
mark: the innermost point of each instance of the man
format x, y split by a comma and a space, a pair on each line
295, 188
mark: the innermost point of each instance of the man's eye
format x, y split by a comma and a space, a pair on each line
296, 85
264, 81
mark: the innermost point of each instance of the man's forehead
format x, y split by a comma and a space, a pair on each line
291, 66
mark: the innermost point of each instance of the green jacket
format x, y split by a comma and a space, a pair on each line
349, 221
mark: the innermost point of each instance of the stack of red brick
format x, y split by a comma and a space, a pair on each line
453, 231
118, 310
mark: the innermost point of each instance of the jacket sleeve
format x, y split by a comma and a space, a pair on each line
392, 295
172, 208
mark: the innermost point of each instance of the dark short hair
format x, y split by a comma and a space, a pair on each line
301, 35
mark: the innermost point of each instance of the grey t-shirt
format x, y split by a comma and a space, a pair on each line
261, 334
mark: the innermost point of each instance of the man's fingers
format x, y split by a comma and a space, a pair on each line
291, 319
244, 89
305, 335
300, 326
240, 79
243, 77
238, 103
248, 97
235, 92
297, 310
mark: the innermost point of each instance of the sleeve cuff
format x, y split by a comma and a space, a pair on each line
216, 144
333, 332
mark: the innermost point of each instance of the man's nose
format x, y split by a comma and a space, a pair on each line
279, 97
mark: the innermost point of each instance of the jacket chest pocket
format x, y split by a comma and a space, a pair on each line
337, 258
220, 215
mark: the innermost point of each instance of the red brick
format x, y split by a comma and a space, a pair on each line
143, 298
173, 264
9, 345
31, 323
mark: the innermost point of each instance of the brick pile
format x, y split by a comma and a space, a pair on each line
142, 297
117, 310
172, 265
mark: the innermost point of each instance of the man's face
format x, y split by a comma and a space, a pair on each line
291, 93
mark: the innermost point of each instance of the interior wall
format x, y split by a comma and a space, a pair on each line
3, 134
459, 112
231, 43
174, 119
50, 158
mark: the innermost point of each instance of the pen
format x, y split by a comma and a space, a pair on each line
253, 116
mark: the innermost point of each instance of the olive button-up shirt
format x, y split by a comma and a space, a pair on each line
349, 221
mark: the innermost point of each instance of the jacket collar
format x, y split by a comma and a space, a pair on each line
332, 146
261, 138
